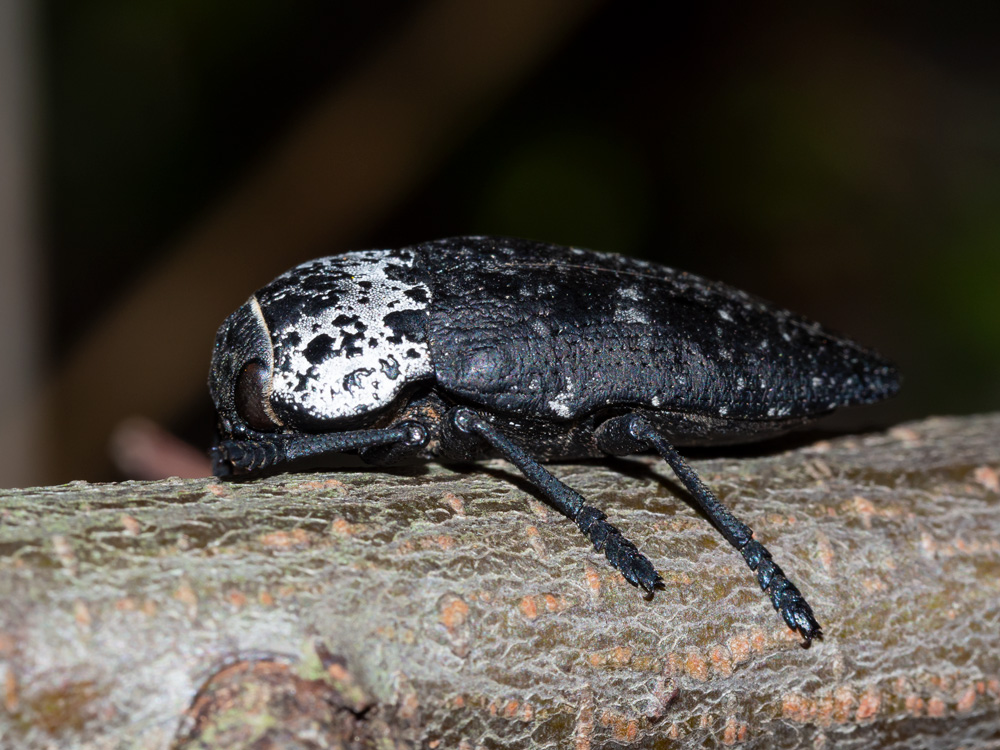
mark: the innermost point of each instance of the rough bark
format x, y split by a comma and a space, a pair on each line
450, 607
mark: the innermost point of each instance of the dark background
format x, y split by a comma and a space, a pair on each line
843, 161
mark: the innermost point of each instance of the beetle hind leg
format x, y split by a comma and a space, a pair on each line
620, 552
633, 433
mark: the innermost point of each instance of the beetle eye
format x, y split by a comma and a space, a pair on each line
252, 390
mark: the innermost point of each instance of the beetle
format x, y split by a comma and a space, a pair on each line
461, 348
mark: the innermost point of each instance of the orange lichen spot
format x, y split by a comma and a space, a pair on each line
675, 663
620, 656
409, 706
824, 710
584, 720
721, 660
551, 603
11, 696
434, 744
826, 553
622, 728
293, 538
538, 509
339, 673
322, 484
81, 613
914, 705
265, 598
758, 640
596, 659
237, 598
126, 604
843, 703
796, 707
869, 704
696, 666
64, 551
186, 595
987, 476
864, 508
148, 608
527, 713
216, 489
342, 527
593, 579
739, 647
967, 701
492, 708
873, 584
454, 613
905, 434
936, 708
631, 731
735, 731
132, 526
510, 709
444, 541
455, 502
673, 732
528, 607
458, 701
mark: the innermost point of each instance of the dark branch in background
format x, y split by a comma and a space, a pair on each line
345, 166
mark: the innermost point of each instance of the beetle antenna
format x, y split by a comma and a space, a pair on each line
244, 456
621, 553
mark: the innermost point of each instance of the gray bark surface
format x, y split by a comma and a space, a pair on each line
449, 608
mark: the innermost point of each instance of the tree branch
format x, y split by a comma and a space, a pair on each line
436, 605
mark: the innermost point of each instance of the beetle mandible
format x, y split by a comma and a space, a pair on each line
461, 348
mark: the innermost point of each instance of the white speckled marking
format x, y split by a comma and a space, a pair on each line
560, 405
345, 359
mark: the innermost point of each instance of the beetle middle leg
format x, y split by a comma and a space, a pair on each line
620, 552
633, 433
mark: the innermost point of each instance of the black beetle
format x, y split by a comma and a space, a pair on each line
460, 348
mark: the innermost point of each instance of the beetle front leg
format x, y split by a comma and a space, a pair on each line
269, 451
633, 433
620, 552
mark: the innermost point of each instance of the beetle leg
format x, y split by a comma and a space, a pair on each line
621, 553
271, 451
633, 433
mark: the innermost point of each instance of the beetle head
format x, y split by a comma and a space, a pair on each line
325, 346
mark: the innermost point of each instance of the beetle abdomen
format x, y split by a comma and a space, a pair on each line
548, 331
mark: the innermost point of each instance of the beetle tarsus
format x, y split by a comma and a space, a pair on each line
786, 598
635, 567
619, 551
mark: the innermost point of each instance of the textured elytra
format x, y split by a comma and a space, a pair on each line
564, 332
